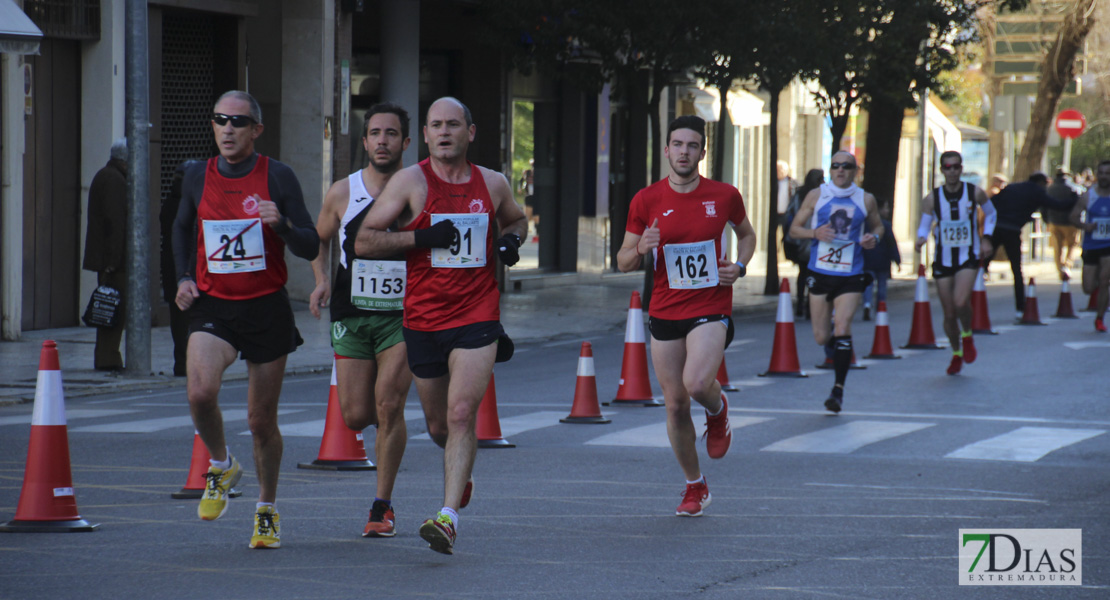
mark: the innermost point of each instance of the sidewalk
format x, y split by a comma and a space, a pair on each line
545, 309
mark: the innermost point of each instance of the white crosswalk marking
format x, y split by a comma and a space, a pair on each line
151, 425
1085, 345
78, 413
846, 438
519, 424
1025, 444
655, 435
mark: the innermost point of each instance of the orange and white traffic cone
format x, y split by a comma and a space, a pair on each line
47, 502
1031, 315
585, 408
635, 386
722, 378
980, 313
1092, 303
921, 330
488, 427
1064, 308
342, 448
784, 352
198, 466
881, 347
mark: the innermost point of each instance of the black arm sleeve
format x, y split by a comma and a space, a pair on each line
184, 225
285, 191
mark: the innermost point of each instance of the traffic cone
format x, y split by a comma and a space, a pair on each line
1064, 308
881, 347
921, 331
341, 448
1031, 316
195, 483
784, 352
46, 502
635, 387
1092, 304
980, 314
585, 408
489, 426
722, 378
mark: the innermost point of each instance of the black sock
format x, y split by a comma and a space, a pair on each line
842, 357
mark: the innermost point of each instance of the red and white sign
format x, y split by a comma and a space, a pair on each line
1070, 123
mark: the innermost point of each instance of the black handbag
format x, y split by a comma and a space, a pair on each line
104, 308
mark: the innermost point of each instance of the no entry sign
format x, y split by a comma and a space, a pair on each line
1070, 123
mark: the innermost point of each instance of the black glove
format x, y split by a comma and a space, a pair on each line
507, 248
440, 235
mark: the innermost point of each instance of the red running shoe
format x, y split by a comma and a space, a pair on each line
1100, 326
970, 353
695, 498
718, 434
956, 364
468, 491
381, 521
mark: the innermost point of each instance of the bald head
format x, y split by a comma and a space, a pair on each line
450, 102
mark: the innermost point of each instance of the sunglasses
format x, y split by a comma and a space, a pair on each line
952, 167
237, 121
842, 165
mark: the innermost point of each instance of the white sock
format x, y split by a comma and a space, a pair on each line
259, 505
698, 480
450, 512
222, 465
713, 414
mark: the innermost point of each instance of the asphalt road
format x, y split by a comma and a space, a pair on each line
866, 504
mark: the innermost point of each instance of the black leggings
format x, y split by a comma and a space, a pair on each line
1011, 241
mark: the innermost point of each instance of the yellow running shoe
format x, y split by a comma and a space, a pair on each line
439, 533
267, 528
213, 504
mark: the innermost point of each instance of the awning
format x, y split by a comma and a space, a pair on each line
18, 35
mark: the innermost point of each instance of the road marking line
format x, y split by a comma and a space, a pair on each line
77, 413
1025, 444
655, 435
846, 438
1085, 345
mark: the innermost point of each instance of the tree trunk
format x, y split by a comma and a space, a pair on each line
719, 137
657, 129
1056, 72
771, 285
839, 126
884, 132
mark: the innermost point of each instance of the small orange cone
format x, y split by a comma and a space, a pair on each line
194, 485
488, 427
722, 378
46, 502
635, 387
881, 347
1064, 308
1092, 304
1031, 315
921, 330
980, 314
341, 448
585, 408
784, 352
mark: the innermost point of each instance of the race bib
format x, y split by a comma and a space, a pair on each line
836, 256
691, 266
468, 248
234, 246
378, 284
1102, 229
955, 234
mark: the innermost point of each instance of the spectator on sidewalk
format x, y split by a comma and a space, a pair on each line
105, 245
876, 261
